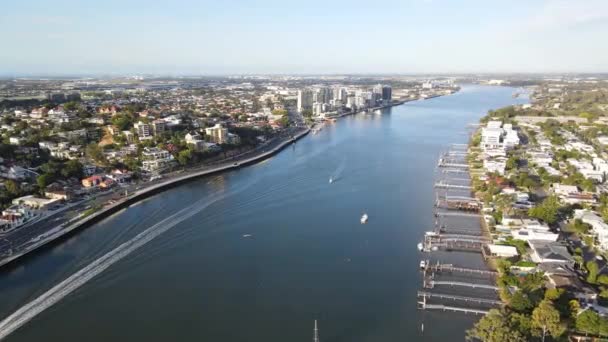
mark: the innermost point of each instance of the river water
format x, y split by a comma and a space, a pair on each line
271, 247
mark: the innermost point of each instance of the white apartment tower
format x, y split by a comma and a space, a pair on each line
305, 99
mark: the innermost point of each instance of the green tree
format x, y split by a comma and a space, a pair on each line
547, 211
122, 121
495, 327
532, 281
521, 323
12, 187
279, 112
70, 106
546, 320
52, 168
553, 294
578, 226
592, 271
284, 121
43, 180
307, 113
602, 279
520, 302
131, 163
603, 329
512, 163
589, 116
94, 152
184, 157
588, 185
72, 168
588, 322
574, 307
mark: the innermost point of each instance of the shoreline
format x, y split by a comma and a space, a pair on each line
67, 229
141, 194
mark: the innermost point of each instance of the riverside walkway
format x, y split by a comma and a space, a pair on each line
74, 224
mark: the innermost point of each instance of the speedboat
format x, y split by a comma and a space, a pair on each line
422, 264
331, 180
420, 246
364, 219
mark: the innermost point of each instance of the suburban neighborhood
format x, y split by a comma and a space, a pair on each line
540, 170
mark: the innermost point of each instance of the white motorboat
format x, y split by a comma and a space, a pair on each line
420, 246
364, 218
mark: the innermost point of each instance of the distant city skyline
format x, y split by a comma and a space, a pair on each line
312, 37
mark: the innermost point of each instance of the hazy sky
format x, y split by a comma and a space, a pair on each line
311, 36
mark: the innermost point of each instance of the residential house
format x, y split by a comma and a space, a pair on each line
92, 181
544, 251
156, 159
599, 227
35, 202
501, 251
196, 140
526, 235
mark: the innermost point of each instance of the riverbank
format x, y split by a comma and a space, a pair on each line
281, 222
66, 229
82, 221
69, 227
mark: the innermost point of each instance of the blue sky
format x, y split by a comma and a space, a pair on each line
271, 36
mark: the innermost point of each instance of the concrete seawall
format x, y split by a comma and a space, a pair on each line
137, 196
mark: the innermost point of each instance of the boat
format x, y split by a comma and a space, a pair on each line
331, 180
422, 264
420, 246
364, 218
246, 235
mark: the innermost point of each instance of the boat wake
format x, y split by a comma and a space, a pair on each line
81, 277
337, 174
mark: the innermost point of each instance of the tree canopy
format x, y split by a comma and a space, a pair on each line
496, 327
546, 320
547, 211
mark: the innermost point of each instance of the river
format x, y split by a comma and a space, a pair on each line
265, 250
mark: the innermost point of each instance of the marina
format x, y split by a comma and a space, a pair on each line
448, 287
